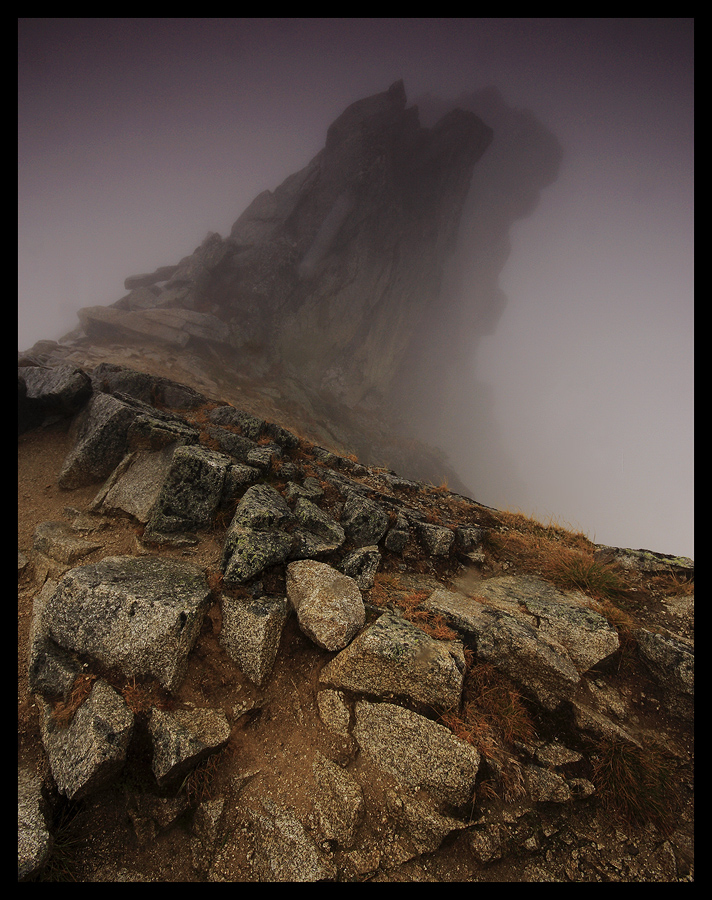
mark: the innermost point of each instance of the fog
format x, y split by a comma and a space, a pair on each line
138, 136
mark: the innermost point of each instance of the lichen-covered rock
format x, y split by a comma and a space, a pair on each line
318, 534
191, 492
249, 551
395, 658
364, 521
436, 539
362, 566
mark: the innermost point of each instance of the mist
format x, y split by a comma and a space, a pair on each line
138, 136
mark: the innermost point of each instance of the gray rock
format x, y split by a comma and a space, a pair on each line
111, 378
140, 298
394, 658
105, 321
191, 492
51, 669
251, 631
420, 821
318, 534
671, 662
263, 457
150, 815
338, 800
57, 390
234, 444
511, 640
140, 615
556, 754
511, 643
310, 489
101, 439
328, 604
135, 484
61, 542
237, 478
281, 436
334, 712
486, 842
261, 507
364, 521
544, 786
153, 432
436, 539
284, 850
91, 752
163, 273
398, 535
362, 566
565, 619
183, 738
34, 841
416, 751
248, 552
389, 266
250, 426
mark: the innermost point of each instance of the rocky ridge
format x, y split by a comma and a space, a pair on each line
244, 656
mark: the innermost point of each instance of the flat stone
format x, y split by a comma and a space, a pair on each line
416, 751
140, 615
395, 658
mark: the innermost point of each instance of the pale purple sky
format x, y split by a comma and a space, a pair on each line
138, 136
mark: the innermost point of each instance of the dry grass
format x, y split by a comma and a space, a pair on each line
63, 710
140, 699
563, 557
636, 785
387, 590
200, 784
492, 718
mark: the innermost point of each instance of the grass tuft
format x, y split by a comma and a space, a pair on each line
636, 785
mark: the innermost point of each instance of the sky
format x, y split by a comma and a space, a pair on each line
137, 137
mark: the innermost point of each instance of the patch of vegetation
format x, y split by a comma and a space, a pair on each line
562, 557
492, 718
387, 590
636, 785
69, 830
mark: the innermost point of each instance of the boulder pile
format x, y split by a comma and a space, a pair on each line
304, 668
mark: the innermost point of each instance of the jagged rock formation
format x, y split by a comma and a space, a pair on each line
253, 659
330, 274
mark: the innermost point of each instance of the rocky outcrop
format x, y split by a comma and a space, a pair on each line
331, 274
318, 690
